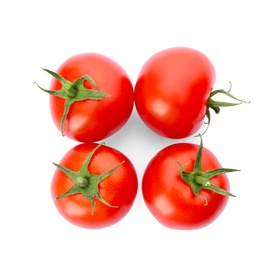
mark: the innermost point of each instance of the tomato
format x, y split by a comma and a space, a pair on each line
173, 92
94, 186
184, 186
91, 97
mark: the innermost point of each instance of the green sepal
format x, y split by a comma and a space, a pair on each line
73, 92
216, 105
198, 180
86, 183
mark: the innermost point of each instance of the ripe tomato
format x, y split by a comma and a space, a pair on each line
89, 116
172, 90
94, 186
184, 186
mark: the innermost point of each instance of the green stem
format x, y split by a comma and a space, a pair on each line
82, 182
201, 180
70, 90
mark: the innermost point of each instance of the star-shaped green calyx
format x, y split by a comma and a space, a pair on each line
86, 183
74, 91
198, 179
216, 105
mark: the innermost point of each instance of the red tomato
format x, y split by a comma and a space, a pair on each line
91, 120
94, 186
172, 90
187, 196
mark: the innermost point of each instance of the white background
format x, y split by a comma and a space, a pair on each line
238, 37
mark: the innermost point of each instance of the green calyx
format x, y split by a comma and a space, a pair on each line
74, 91
85, 183
216, 105
198, 179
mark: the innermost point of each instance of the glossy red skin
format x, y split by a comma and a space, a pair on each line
92, 120
170, 200
172, 90
118, 189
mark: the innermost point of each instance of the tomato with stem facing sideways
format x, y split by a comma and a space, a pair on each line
173, 92
91, 97
184, 186
94, 186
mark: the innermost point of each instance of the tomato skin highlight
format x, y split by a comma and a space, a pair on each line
172, 90
119, 189
94, 120
171, 200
